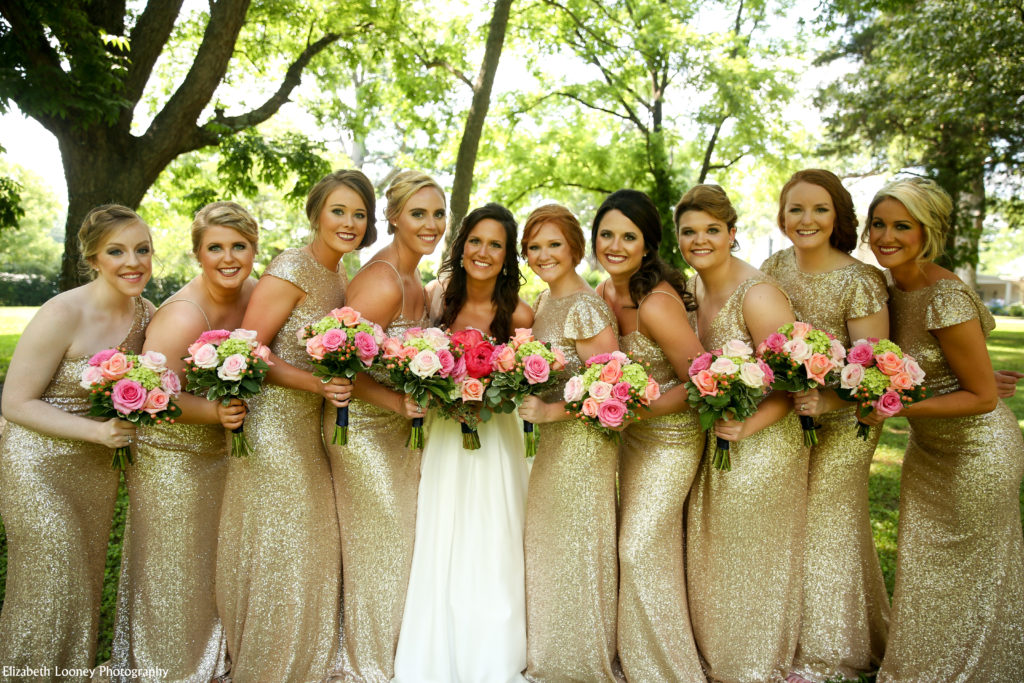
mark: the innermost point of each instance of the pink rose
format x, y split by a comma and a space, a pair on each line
315, 347
889, 403
459, 371
412, 333
797, 349
392, 348
447, 360
599, 359
818, 366
91, 376
619, 356
101, 356
243, 334
800, 330
769, 374
366, 347
478, 359
472, 389
346, 315
621, 391
700, 363
262, 351
535, 369
775, 341
612, 371
837, 350
170, 382
522, 335
861, 354
889, 363
851, 376
333, 339
706, 383
156, 401
233, 367
378, 333
611, 412
559, 363
214, 336
600, 391
117, 365
901, 381
503, 358
652, 392
205, 356
128, 396
911, 367
573, 389
589, 407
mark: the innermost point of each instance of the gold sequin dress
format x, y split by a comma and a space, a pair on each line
570, 538
958, 604
376, 480
745, 538
278, 556
846, 609
57, 502
659, 459
166, 605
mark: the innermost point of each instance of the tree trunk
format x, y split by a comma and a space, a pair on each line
966, 233
462, 186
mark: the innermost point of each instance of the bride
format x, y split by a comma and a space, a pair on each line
465, 610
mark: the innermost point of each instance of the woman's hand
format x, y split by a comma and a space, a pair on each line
114, 433
731, 430
534, 410
1006, 382
410, 409
338, 391
808, 402
873, 418
232, 415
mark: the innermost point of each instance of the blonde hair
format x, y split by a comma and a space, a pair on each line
225, 215
929, 205
97, 227
354, 180
566, 222
710, 199
404, 186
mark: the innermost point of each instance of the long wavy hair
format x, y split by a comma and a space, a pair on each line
640, 209
506, 288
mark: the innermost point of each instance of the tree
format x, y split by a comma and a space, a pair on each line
936, 90
30, 247
87, 71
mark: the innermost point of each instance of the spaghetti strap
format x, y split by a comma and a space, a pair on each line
189, 301
656, 291
401, 285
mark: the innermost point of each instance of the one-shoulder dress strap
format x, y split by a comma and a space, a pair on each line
189, 301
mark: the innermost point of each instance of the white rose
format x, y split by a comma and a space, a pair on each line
738, 348
798, 350
240, 333
573, 389
913, 369
153, 360
837, 351
425, 364
851, 376
752, 375
91, 376
723, 366
436, 338
205, 356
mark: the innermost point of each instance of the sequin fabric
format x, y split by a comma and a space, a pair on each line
278, 556
658, 461
57, 501
958, 603
376, 481
570, 538
745, 538
846, 609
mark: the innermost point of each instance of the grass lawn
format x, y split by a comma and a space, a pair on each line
1006, 346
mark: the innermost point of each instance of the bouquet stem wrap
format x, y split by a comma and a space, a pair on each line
240, 446
340, 437
810, 430
530, 438
721, 460
470, 437
415, 434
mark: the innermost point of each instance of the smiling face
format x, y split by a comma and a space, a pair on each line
810, 216
619, 244
548, 253
125, 259
342, 220
484, 252
226, 257
421, 223
896, 237
704, 240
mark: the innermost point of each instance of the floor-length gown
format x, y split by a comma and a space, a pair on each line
465, 611
278, 556
958, 604
376, 479
745, 538
659, 459
571, 567
166, 606
57, 502
846, 609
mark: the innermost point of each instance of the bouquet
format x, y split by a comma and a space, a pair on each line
801, 358
727, 380
470, 399
610, 390
342, 344
879, 375
223, 365
420, 363
128, 386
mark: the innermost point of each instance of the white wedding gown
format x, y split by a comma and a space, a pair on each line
465, 610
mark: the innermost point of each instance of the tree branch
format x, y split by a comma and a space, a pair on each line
147, 40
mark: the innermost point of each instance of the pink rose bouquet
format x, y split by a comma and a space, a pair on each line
342, 344
523, 366
470, 398
223, 365
725, 381
610, 391
801, 358
420, 363
134, 387
879, 376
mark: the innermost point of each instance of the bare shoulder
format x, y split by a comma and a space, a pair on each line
523, 315
764, 294
935, 272
179, 313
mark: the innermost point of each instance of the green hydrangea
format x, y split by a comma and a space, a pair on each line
147, 378
230, 347
635, 374
324, 324
787, 329
419, 343
875, 381
590, 374
534, 348
819, 341
884, 345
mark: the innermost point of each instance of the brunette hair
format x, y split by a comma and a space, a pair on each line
566, 222
356, 181
404, 186
97, 227
227, 215
844, 230
710, 199
930, 206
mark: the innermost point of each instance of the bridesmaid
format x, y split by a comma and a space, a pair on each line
375, 476
278, 558
958, 605
166, 607
571, 570
57, 489
846, 609
745, 528
659, 456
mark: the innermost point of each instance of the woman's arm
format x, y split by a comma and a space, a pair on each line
663, 319
522, 316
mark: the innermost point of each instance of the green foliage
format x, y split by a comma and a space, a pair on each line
10, 203
32, 245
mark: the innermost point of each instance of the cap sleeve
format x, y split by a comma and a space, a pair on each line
287, 266
587, 316
771, 264
867, 293
953, 303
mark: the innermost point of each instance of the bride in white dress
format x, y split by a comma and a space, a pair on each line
465, 609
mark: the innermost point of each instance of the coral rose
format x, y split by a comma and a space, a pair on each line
118, 364
706, 383
346, 315
472, 389
612, 371
503, 358
590, 407
817, 366
652, 392
902, 381
467, 338
314, 347
800, 330
889, 363
559, 363
521, 336
392, 348
156, 401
